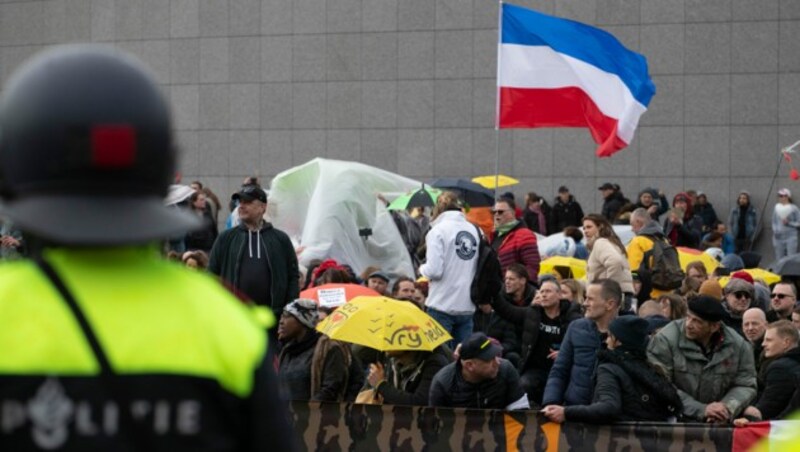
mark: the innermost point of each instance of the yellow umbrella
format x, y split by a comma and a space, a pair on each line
384, 324
490, 180
577, 267
757, 273
689, 255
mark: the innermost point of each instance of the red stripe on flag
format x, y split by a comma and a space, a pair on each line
113, 146
562, 107
746, 437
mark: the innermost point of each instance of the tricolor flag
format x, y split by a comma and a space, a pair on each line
555, 72
768, 436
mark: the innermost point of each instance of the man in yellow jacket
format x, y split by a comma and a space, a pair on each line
646, 231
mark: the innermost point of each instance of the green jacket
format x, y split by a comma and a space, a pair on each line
229, 248
728, 377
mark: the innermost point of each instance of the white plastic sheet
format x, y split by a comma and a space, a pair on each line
555, 244
323, 204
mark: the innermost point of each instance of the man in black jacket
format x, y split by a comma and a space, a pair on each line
566, 211
613, 200
780, 342
478, 379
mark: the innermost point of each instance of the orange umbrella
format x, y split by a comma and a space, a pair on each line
336, 294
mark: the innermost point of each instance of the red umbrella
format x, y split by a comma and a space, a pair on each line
336, 294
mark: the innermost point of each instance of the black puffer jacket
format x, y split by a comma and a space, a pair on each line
449, 389
529, 318
627, 388
565, 214
780, 381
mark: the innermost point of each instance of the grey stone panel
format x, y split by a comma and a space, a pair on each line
453, 103
308, 106
545, 6
624, 163
244, 17
583, 189
754, 47
54, 21
789, 9
453, 54
308, 58
212, 146
128, 19
184, 18
276, 59
155, 54
628, 35
754, 150
581, 10
789, 45
185, 101
307, 145
573, 152
245, 59
308, 16
484, 50
102, 20
484, 102
344, 105
708, 48
707, 151
757, 9
343, 57
12, 57
66, 21
416, 14
379, 105
276, 105
214, 106
788, 98
533, 151
245, 101
484, 15
245, 151
380, 15
663, 46
450, 147
186, 142
344, 144
619, 12
666, 107
344, 16
661, 151
185, 56
379, 148
213, 17
753, 99
276, 17
214, 60
415, 55
415, 153
379, 56
662, 11
708, 10
155, 19
453, 14
415, 103
487, 146
276, 151
707, 99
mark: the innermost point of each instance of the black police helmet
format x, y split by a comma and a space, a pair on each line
86, 153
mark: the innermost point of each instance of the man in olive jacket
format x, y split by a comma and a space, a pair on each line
711, 365
255, 259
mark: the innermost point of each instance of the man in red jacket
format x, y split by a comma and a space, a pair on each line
513, 241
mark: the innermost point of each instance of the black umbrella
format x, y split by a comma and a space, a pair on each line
788, 266
471, 193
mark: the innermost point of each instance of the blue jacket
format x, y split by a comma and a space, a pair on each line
571, 378
750, 223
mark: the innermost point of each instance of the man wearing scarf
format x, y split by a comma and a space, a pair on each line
513, 241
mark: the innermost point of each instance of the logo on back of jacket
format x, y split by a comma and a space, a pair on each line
52, 416
466, 245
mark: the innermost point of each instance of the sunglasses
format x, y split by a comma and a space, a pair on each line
499, 212
741, 294
780, 296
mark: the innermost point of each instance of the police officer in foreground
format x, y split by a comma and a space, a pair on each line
106, 346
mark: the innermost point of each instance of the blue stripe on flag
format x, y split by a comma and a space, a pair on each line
597, 47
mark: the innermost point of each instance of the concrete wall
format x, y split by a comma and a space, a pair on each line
409, 85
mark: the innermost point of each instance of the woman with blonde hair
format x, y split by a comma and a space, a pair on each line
607, 256
572, 290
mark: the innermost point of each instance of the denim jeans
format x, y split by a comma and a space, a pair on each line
459, 326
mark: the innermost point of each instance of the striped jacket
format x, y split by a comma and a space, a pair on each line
518, 245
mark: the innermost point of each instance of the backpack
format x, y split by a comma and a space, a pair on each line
488, 279
665, 272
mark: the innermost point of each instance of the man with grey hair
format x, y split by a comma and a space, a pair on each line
647, 232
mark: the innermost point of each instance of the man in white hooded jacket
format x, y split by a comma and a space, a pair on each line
451, 262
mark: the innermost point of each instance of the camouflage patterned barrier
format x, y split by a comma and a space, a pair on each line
373, 428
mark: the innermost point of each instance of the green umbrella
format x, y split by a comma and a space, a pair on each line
424, 197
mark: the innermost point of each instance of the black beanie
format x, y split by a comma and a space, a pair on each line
632, 331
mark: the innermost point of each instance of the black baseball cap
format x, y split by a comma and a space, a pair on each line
563, 189
606, 186
378, 274
479, 346
249, 193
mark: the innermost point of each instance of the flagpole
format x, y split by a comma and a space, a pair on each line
497, 102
